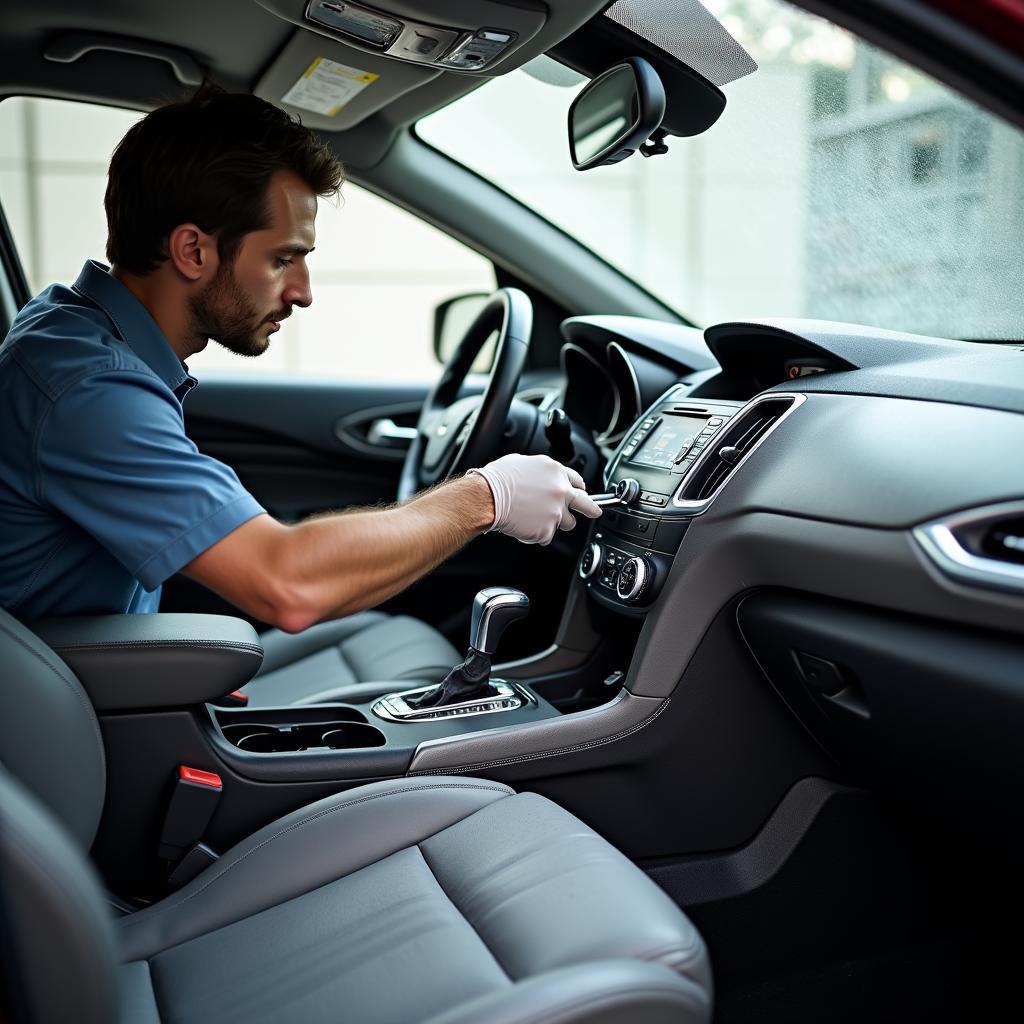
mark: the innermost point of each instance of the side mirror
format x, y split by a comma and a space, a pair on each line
452, 318
615, 114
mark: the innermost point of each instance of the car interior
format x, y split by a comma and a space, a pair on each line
746, 747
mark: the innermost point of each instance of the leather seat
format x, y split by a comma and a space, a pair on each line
436, 899
334, 661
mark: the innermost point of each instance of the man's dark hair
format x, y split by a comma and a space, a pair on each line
207, 161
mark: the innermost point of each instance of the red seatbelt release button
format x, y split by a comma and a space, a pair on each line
199, 777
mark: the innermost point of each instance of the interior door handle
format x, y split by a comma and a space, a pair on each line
386, 432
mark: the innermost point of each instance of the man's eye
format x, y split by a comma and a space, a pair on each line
282, 262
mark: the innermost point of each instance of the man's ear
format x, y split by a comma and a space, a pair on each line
192, 252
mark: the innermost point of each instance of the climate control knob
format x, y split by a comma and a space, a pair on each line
635, 578
591, 560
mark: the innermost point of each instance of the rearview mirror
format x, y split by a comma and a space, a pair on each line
615, 114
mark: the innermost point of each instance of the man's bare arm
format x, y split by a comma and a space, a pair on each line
333, 565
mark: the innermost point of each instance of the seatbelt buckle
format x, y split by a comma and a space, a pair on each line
198, 859
194, 798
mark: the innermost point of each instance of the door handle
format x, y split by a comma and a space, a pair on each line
387, 433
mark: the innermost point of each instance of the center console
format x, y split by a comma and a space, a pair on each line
631, 551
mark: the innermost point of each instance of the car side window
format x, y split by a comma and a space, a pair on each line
377, 274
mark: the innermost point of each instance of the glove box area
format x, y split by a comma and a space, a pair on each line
904, 703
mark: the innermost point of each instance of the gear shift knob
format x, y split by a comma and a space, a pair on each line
494, 609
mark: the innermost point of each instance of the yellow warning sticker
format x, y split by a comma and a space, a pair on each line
327, 86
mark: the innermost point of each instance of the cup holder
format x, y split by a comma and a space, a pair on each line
258, 738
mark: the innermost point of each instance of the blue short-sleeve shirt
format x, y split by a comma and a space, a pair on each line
102, 494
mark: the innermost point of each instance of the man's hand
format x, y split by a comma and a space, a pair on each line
534, 496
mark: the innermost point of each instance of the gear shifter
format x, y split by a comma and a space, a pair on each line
494, 610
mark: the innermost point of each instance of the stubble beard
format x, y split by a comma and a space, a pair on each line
224, 313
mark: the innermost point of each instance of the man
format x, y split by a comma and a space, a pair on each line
210, 207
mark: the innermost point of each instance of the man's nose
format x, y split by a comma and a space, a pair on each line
297, 291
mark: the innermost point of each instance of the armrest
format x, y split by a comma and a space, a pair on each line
148, 661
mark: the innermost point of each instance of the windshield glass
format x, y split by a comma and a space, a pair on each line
839, 183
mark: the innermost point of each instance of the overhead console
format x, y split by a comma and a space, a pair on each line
351, 60
443, 34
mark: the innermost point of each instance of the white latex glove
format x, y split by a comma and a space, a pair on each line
534, 495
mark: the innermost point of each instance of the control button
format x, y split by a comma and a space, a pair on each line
642, 526
634, 579
608, 580
422, 44
653, 499
612, 560
715, 421
493, 37
591, 560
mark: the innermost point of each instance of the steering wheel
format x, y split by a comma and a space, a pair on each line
455, 434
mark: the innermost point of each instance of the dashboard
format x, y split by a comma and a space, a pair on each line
856, 496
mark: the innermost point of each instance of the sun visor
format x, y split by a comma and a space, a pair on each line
333, 87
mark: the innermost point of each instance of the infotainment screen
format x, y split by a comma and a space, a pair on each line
670, 437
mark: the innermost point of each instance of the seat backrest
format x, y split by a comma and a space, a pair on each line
57, 949
50, 739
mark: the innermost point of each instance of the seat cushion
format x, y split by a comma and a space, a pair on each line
416, 898
334, 660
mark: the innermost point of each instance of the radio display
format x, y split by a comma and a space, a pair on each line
672, 435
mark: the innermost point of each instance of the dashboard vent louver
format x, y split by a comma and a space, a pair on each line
981, 546
746, 431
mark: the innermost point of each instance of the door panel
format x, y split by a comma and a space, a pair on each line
302, 446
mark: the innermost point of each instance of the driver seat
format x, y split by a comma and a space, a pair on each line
355, 658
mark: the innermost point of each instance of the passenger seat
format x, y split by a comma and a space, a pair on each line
446, 900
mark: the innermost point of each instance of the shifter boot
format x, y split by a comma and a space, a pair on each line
469, 680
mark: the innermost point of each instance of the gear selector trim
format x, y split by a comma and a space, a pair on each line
505, 696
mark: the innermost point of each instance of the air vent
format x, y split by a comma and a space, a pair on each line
983, 546
748, 428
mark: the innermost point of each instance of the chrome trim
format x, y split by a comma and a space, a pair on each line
548, 397
626, 491
598, 553
642, 573
941, 544
387, 430
695, 507
393, 707
494, 608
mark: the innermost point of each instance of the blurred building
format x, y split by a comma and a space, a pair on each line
916, 204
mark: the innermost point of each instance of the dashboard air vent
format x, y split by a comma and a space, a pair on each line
981, 546
747, 429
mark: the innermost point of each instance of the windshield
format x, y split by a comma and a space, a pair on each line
839, 183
